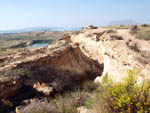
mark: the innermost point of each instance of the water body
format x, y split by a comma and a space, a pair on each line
38, 45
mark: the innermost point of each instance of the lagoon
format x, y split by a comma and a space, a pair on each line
38, 45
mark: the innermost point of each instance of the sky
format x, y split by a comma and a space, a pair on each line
16, 14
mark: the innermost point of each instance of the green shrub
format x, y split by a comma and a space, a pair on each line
89, 86
27, 73
2, 49
125, 97
145, 25
89, 103
134, 29
111, 31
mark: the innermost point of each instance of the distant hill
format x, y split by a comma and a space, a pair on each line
40, 29
123, 22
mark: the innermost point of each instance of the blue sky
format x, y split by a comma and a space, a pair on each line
15, 14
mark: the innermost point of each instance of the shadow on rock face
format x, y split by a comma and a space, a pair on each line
26, 92
4, 108
64, 71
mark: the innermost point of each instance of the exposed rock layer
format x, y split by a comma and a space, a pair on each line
9, 86
62, 65
117, 51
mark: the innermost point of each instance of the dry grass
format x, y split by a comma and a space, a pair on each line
145, 35
141, 32
66, 103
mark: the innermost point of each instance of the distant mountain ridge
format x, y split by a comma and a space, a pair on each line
123, 22
34, 29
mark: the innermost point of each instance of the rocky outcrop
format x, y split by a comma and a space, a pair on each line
10, 86
59, 55
43, 88
61, 65
85, 110
115, 53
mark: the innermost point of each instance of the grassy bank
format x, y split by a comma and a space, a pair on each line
141, 32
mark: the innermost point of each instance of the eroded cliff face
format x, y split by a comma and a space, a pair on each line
62, 65
117, 51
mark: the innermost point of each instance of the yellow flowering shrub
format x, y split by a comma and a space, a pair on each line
124, 97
